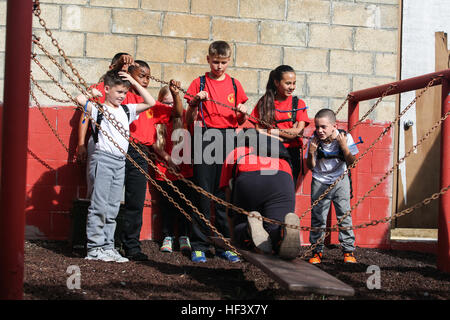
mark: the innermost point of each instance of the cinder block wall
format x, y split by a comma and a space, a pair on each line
335, 46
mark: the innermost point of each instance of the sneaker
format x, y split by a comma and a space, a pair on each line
258, 234
98, 254
167, 244
185, 245
290, 240
316, 258
349, 257
139, 256
230, 256
115, 255
198, 256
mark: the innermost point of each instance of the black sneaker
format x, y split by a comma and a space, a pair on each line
139, 256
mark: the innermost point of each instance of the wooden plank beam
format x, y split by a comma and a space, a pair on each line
295, 275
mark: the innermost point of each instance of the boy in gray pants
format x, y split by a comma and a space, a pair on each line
330, 151
107, 164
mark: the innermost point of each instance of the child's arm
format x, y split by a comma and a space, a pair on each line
311, 158
149, 101
82, 130
341, 138
82, 100
177, 111
192, 111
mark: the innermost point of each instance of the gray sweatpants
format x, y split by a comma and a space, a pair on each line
107, 173
340, 195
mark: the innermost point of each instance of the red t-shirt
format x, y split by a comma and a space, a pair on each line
218, 116
286, 105
185, 168
143, 129
249, 162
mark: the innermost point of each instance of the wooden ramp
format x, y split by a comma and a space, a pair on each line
297, 275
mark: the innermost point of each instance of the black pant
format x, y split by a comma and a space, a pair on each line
272, 196
207, 176
296, 162
170, 214
135, 190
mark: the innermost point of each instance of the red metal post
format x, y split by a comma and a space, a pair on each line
443, 259
353, 117
14, 147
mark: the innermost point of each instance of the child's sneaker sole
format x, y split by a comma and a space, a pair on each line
259, 235
290, 244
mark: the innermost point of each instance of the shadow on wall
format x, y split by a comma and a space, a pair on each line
54, 179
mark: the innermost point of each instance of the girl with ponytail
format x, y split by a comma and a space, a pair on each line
280, 109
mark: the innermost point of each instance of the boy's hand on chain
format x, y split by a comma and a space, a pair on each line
174, 87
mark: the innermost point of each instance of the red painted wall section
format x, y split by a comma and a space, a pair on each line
54, 180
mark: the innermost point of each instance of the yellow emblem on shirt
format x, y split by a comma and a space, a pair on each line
149, 113
231, 98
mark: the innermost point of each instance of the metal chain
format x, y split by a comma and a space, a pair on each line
220, 201
112, 120
383, 133
383, 95
412, 149
45, 117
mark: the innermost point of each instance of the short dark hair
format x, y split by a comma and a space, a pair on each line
112, 78
117, 57
326, 113
140, 63
219, 48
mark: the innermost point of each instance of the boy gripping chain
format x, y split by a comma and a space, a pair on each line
261, 181
143, 129
107, 163
120, 61
330, 152
214, 121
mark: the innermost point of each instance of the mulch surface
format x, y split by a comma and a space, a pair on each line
172, 276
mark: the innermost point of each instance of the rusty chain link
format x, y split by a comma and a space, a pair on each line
389, 172
199, 189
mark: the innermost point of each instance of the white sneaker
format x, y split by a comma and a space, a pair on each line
98, 254
115, 255
258, 234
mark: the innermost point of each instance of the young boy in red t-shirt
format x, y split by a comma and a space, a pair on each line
214, 120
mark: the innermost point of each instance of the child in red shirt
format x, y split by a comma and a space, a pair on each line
163, 147
215, 120
279, 108
143, 130
263, 185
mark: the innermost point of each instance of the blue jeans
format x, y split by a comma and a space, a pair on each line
107, 173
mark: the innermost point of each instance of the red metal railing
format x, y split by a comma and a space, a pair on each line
442, 77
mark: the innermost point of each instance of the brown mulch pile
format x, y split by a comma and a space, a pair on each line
404, 276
